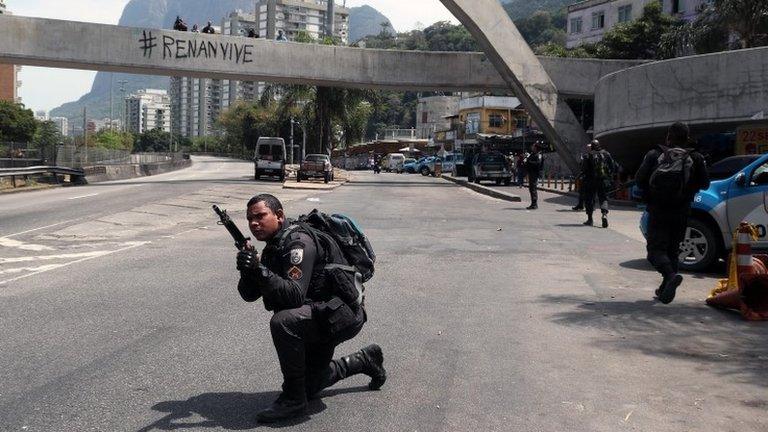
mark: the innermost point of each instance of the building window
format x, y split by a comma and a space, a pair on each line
575, 25
676, 6
598, 20
625, 13
496, 120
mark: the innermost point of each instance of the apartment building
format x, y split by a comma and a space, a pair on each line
589, 20
685, 9
294, 16
9, 81
62, 124
147, 110
432, 114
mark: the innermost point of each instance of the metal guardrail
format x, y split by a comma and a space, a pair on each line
76, 174
19, 172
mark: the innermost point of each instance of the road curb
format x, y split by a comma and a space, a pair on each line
23, 189
483, 190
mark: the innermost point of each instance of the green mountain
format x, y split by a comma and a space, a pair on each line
365, 21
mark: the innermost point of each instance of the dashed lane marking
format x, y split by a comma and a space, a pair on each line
83, 196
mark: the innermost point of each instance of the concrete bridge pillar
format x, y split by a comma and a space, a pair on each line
519, 67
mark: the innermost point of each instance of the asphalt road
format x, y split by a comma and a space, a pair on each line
119, 312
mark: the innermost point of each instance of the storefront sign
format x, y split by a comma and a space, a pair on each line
752, 139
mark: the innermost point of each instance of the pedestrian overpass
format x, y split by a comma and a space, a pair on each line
508, 63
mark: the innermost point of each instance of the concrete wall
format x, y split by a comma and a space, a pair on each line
76, 45
635, 106
104, 173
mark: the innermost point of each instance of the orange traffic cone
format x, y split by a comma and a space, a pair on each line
746, 289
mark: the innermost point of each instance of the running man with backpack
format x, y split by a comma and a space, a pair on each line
597, 171
311, 276
670, 177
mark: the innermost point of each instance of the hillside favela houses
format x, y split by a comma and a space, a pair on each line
589, 20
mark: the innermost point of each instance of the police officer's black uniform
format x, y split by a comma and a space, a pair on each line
533, 165
308, 321
596, 182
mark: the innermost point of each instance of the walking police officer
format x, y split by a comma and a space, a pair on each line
308, 321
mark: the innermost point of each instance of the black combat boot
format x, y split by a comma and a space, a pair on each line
369, 361
605, 221
590, 221
291, 403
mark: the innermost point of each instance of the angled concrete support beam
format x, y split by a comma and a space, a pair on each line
487, 21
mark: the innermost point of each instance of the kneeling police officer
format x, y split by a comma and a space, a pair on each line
309, 321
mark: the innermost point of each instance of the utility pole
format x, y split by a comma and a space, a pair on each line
290, 153
122, 104
111, 100
85, 132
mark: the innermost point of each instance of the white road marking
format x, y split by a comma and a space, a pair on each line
43, 269
38, 229
83, 196
6, 242
39, 269
51, 257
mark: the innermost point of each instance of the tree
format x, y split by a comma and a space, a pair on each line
639, 39
47, 137
155, 140
17, 124
115, 140
722, 25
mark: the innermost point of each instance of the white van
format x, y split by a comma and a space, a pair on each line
269, 159
394, 162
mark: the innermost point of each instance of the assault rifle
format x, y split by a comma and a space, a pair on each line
241, 242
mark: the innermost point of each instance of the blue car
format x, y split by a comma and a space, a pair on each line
717, 212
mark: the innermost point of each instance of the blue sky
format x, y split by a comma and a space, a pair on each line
43, 88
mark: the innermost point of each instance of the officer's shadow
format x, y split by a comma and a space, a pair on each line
230, 411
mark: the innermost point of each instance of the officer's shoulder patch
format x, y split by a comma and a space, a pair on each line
297, 256
295, 273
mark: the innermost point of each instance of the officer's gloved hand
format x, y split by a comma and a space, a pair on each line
247, 261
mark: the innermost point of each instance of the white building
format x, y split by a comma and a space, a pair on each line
685, 9
62, 124
589, 20
294, 16
41, 115
431, 113
147, 110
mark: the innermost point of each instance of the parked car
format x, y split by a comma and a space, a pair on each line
269, 159
729, 166
409, 166
315, 166
718, 211
491, 166
450, 160
392, 162
427, 166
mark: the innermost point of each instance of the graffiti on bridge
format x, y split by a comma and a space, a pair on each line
195, 48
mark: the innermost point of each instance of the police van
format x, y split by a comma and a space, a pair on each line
717, 212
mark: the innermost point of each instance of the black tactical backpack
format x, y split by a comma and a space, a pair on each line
338, 236
672, 174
